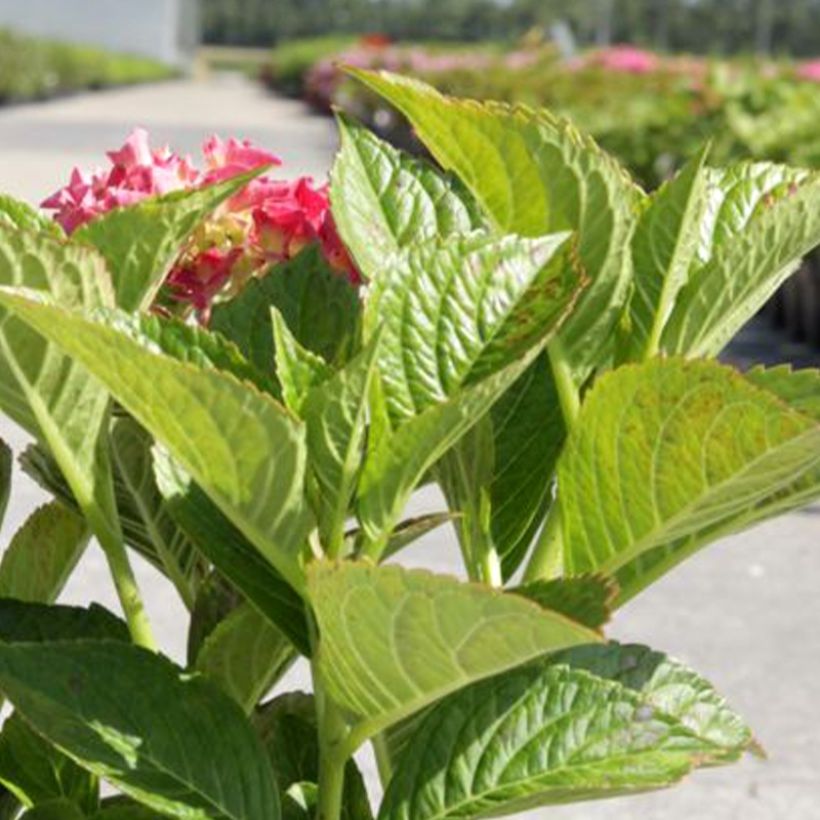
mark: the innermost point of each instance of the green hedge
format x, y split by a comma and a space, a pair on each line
34, 69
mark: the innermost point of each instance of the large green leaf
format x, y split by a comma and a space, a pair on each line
757, 239
245, 655
36, 772
670, 449
120, 807
172, 741
534, 174
335, 413
297, 368
672, 688
455, 311
23, 622
397, 461
230, 552
42, 554
384, 200
141, 242
801, 391
20, 214
287, 726
242, 448
393, 641
60, 809
319, 305
663, 248
586, 599
142, 509
545, 734
53, 398
6, 468
528, 433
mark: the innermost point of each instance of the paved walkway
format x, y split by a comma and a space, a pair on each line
746, 613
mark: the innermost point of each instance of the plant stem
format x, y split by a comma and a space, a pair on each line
123, 576
333, 735
333, 732
547, 557
564, 382
490, 567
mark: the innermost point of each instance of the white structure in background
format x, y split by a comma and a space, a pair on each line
167, 30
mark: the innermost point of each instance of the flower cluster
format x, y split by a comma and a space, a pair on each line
625, 59
809, 70
268, 222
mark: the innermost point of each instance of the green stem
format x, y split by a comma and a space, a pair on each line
123, 576
548, 556
564, 382
489, 567
333, 733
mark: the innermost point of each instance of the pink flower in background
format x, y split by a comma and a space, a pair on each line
809, 70
268, 222
626, 59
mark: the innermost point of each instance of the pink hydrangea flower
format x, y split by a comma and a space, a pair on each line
269, 221
810, 70
626, 59
136, 172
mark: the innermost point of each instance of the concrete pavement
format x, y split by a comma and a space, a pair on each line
745, 613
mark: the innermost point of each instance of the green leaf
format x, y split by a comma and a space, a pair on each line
455, 311
230, 552
55, 810
335, 413
800, 390
141, 242
18, 214
663, 249
412, 529
586, 599
146, 519
37, 772
186, 343
42, 554
749, 259
134, 718
393, 641
22, 622
245, 655
384, 200
528, 433
6, 467
398, 461
40, 465
542, 735
287, 726
9, 804
242, 448
297, 369
668, 450
670, 687
533, 174
319, 306
53, 398
123, 808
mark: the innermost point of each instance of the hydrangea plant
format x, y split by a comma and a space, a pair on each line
518, 323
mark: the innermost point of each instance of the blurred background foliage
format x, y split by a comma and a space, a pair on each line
699, 26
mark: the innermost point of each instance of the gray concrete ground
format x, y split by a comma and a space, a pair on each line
745, 613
